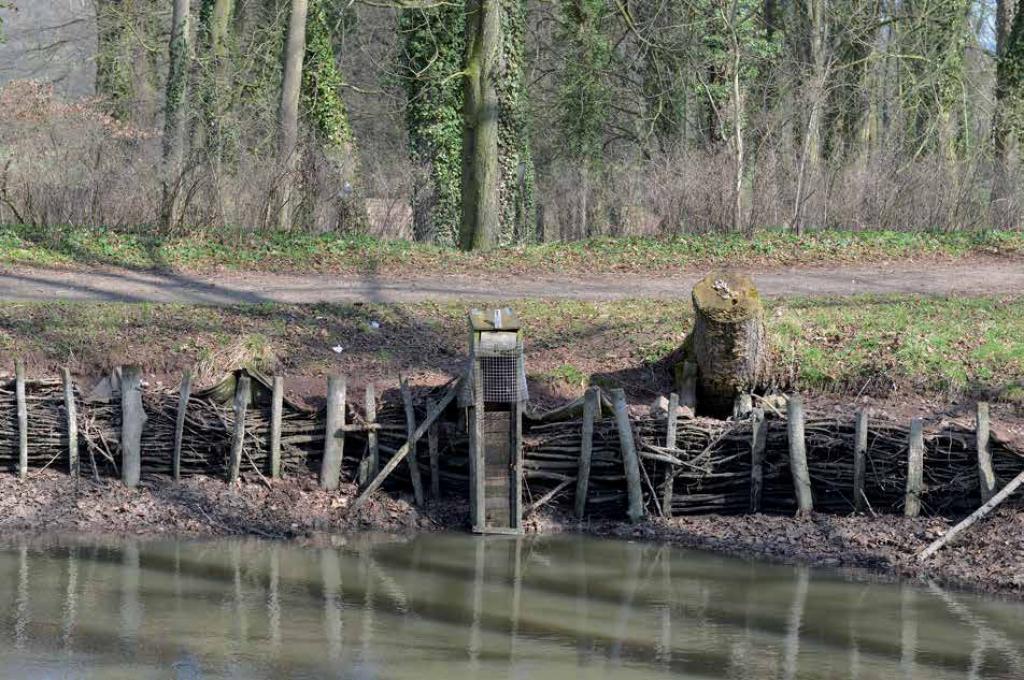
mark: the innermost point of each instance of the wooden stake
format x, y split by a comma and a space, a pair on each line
22, 407
334, 436
992, 503
688, 386
403, 450
435, 463
133, 419
590, 406
238, 436
671, 424
276, 414
860, 451
758, 442
179, 424
372, 463
798, 455
71, 410
629, 458
410, 427
986, 476
915, 469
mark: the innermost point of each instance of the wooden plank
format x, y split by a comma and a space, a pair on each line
630, 462
758, 444
242, 387
410, 427
517, 466
71, 412
590, 406
798, 455
22, 410
371, 465
435, 463
986, 476
276, 415
915, 469
184, 395
860, 452
133, 419
477, 473
334, 434
403, 450
671, 426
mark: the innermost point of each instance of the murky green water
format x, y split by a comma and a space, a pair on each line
455, 606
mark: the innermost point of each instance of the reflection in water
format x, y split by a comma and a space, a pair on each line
452, 606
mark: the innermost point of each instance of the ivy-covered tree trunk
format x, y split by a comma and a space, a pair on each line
174, 110
1006, 114
114, 74
214, 33
433, 47
288, 115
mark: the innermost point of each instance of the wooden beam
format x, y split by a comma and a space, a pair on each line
630, 462
590, 407
184, 394
986, 476
133, 419
334, 435
238, 436
915, 469
758, 444
671, 426
276, 415
414, 440
403, 450
435, 463
71, 412
798, 455
22, 410
860, 452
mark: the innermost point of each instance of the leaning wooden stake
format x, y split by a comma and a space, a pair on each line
758, 443
71, 411
410, 426
993, 502
860, 450
798, 455
238, 436
915, 469
671, 424
629, 458
22, 405
334, 436
590, 405
986, 476
435, 463
403, 450
179, 424
276, 414
133, 419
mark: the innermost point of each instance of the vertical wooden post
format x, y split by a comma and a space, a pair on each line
179, 424
629, 458
22, 407
71, 411
986, 476
435, 463
371, 465
238, 436
133, 418
477, 466
860, 451
758, 443
334, 436
915, 469
798, 455
586, 449
410, 426
671, 425
276, 415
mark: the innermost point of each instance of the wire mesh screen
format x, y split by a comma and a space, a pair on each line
503, 375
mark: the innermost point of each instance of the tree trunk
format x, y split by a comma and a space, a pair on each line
1005, 12
174, 107
288, 114
481, 223
215, 20
729, 341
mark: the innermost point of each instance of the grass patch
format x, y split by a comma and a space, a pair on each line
872, 344
300, 252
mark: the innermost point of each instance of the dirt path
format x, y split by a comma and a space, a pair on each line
974, 277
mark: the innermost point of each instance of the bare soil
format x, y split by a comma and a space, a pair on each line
976, 276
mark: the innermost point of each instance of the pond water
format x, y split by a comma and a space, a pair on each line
455, 606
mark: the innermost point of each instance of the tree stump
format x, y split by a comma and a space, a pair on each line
729, 342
